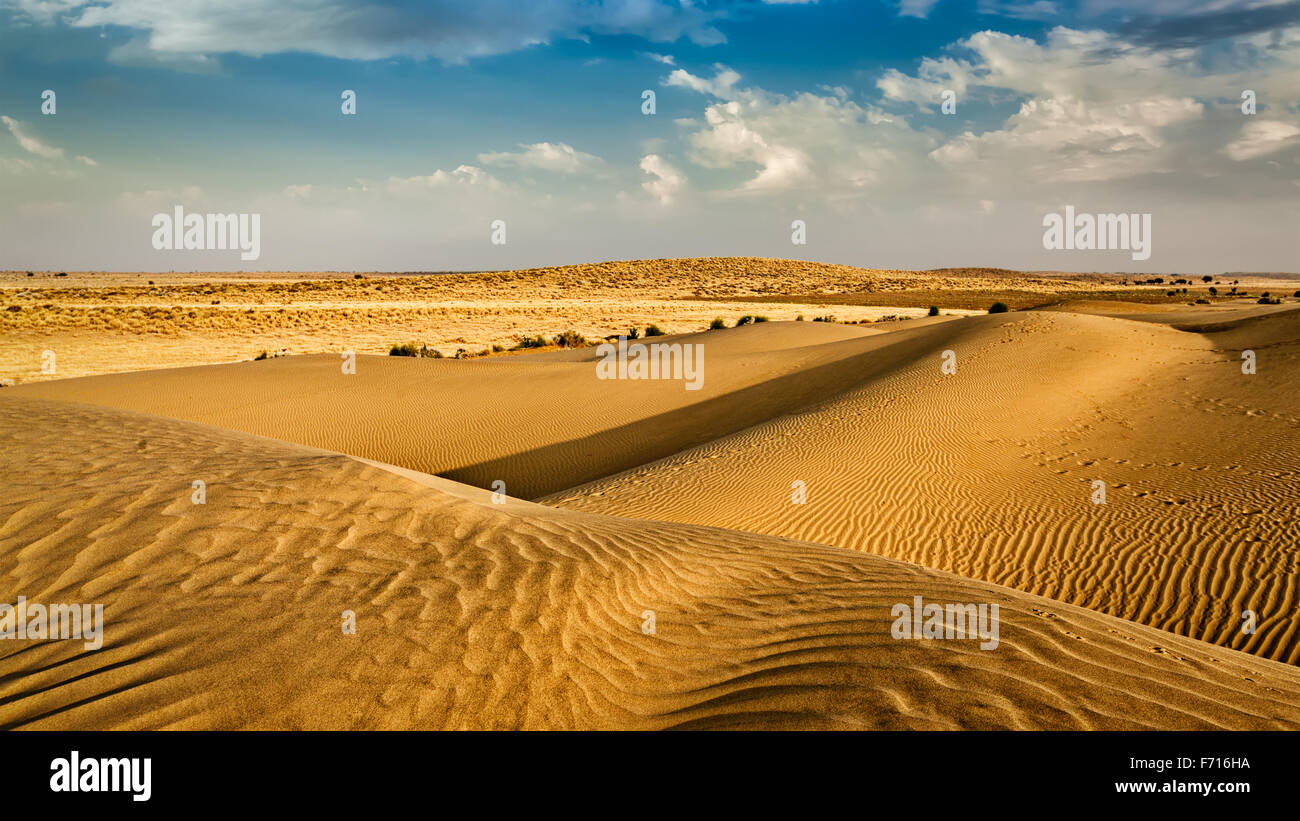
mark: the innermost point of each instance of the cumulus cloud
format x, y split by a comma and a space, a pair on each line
667, 182
804, 141
559, 157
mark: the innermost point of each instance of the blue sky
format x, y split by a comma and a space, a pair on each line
827, 112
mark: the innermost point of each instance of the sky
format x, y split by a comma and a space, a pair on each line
828, 113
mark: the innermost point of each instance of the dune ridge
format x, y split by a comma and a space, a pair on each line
475, 615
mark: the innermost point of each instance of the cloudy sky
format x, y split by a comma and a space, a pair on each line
828, 112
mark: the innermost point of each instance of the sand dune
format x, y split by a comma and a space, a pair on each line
987, 473
540, 423
470, 614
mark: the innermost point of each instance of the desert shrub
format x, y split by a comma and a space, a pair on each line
1213, 291
1266, 301
14, 308
1296, 295
357, 276
261, 356
1207, 278
934, 310
633, 333
538, 341
653, 330
998, 308
717, 324
827, 318
497, 348
1202, 302
799, 318
760, 319
410, 349
570, 339
744, 320
1266, 294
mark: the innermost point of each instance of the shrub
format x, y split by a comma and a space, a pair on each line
744, 320
1266, 301
538, 341
1296, 295
717, 324
653, 330
934, 310
760, 319
1213, 291
1202, 302
799, 318
497, 348
827, 318
633, 333
261, 356
409, 349
998, 308
570, 339
356, 276
1207, 278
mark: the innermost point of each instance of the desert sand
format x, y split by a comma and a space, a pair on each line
330, 491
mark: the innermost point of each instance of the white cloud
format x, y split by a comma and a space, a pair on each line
668, 180
1261, 137
447, 30
916, 8
464, 177
30, 144
559, 157
808, 141
722, 84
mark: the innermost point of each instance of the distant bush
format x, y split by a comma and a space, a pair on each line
1214, 291
409, 349
497, 348
653, 330
1265, 294
1296, 295
538, 341
261, 356
1202, 302
571, 339
827, 318
799, 318
760, 319
1266, 301
356, 276
998, 308
633, 333
717, 324
744, 320
1207, 278
934, 310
